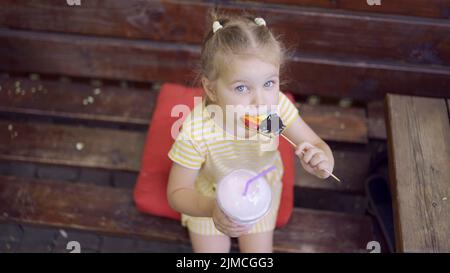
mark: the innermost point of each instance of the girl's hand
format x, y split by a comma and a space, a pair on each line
225, 225
314, 160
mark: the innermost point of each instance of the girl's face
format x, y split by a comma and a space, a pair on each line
249, 82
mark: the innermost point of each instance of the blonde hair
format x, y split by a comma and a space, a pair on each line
237, 36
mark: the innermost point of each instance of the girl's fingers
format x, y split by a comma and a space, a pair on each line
303, 148
310, 153
231, 232
239, 232
322, 167
225, 221
231, 226
317, 159
228, 223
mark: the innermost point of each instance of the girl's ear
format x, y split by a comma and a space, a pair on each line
209, 90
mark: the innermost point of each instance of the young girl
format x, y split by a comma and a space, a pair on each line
240, 65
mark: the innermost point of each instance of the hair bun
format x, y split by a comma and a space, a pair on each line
216, 26
260, 21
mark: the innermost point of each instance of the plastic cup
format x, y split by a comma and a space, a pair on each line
243, 209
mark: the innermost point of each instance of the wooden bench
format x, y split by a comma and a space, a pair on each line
419, 146
66, 122
134, 107
67, 143
112, 211
361, 55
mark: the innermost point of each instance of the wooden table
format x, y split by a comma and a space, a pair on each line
419, 161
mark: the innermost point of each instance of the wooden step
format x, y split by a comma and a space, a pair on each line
96, 147
71, 145
328, 32
351, 166
76, 100
135, 106
103, 148
112, 211
121, 150
429, 9
143, 60
376, 120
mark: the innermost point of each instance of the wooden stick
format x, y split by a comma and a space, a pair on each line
293, 144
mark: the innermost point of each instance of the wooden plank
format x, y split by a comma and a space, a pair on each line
419, 147
77, 206
71, 145
312, 31
336, 123
23, 51
104, 148
431, 8
376, 120
351, 167
135, 106
365, 80
138, 19
330, 200
356, 36
76, 100
82, 146
92, 57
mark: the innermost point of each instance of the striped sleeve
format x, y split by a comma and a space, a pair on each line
288, 111
187, 152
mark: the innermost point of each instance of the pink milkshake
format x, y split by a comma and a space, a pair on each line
248, 208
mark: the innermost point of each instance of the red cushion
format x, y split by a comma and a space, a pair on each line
150, 190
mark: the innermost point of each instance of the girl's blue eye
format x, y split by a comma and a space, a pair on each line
269, 84
241, 89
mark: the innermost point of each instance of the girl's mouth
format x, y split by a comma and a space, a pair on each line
253, 121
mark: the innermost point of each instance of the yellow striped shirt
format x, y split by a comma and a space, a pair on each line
205, 146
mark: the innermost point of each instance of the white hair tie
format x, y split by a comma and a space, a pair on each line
260, 21
216, 26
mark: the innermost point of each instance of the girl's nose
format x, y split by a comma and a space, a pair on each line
258, 98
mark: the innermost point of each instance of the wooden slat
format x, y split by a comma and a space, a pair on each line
365, 80
439, 9
76, 100
419, 149
131, 106
101, 148
336, 123
328, 34
135, 107
24, 51
71, 145
93, 57
376, 120
77, 206
138, 19
351, 167
330, 200
316, 32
